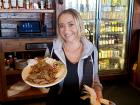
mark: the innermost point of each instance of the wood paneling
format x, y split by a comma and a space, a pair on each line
20, 44
138, 68
135, 42
136, 16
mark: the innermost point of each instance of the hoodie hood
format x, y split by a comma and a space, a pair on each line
87, 51
58, 43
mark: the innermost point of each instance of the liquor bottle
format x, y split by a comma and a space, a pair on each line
105, 54
6, 4
109, 27
116, 27
34, 4
31, 4
100, 41
109, 3
109, 40
103, 40
103, 2
6, 62
106, 40
111, 53
119, 2
112, 39
13, 3
11, 62
114, 2
42, 4
47, 52
27, 4
102, 29
49, 4
20, 3
100, 54
112, 27
120, 27
0, 4
116, 41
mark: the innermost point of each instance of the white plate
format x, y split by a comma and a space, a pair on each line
27, 70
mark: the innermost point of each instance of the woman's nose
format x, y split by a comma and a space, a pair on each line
66, 28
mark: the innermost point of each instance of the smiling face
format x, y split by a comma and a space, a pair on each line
67, 27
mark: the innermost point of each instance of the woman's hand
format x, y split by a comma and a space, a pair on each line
98, 91
99, 94
91, 94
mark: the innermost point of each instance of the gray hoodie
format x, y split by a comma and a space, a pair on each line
88, 49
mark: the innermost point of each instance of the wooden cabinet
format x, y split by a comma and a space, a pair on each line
18, 45
8, 77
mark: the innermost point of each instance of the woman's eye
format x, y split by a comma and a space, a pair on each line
61, 26
71, 24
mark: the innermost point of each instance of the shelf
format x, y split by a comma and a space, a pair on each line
119, 33
12, 72
20, 43
114, 58
7, 28
103, 72
112, 74
110, 45
29, 94
107, 19
25, 11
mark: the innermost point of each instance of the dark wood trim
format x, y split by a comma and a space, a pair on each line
138, 68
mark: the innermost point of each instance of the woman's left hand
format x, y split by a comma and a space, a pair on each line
92, 95
99, 94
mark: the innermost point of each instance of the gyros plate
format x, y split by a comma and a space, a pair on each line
29, 73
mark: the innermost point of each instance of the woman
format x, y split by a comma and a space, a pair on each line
80, 57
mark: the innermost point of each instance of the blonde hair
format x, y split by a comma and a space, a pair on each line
77, 19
